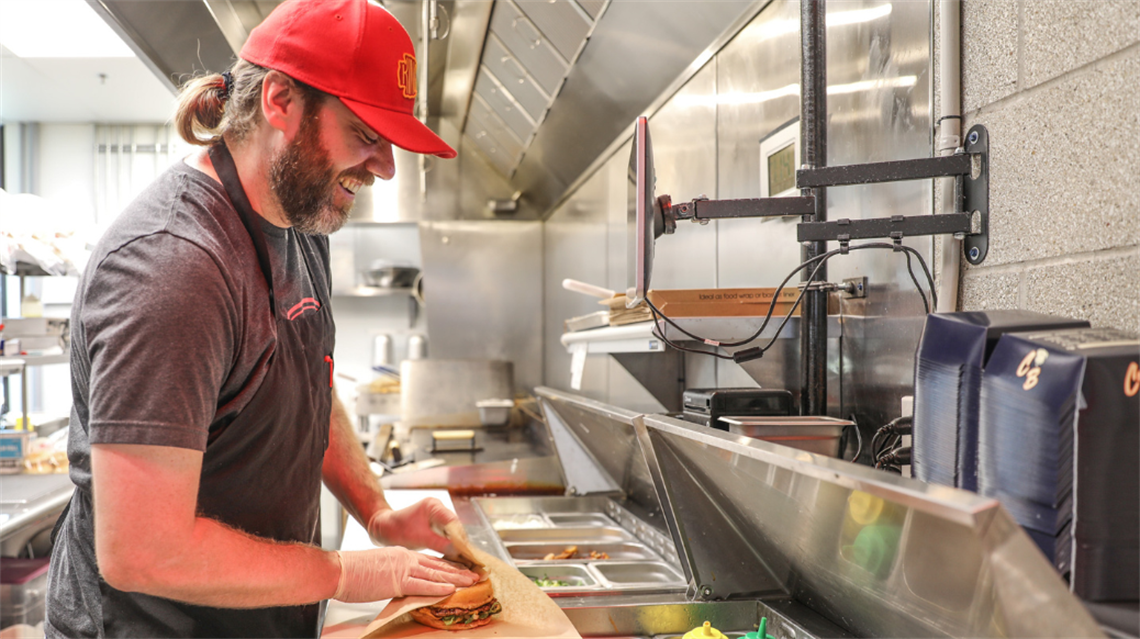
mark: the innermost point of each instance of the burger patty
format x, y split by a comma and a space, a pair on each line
467, 615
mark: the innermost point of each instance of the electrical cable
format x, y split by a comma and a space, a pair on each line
858, 438
914, 279
822, 259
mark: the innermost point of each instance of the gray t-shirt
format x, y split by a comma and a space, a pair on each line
172, 336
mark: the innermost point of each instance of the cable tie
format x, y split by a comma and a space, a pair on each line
712, 342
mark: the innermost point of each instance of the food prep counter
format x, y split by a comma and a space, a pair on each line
702, 525
29, 506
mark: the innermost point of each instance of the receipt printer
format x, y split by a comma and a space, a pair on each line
706, 406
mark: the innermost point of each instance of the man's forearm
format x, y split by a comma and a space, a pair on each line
223, 567
346, 470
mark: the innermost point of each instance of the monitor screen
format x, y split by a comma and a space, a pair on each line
644, 222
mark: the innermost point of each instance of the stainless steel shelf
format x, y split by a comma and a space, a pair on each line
372, 291
631, 338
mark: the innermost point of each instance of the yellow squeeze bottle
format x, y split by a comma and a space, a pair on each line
704, 632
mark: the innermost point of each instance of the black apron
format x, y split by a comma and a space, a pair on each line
261, 472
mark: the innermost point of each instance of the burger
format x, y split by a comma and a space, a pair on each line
466, 608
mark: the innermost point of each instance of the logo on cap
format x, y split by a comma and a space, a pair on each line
406, 76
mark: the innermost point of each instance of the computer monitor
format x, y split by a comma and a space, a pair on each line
644, 220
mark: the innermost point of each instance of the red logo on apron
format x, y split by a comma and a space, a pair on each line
307, 304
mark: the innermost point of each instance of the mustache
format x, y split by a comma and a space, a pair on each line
360, 173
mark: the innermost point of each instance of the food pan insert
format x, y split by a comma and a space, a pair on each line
577, 576
568, 536
621, 574
580, 519
626, 551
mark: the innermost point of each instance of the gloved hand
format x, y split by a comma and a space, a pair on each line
384, 573
412, 527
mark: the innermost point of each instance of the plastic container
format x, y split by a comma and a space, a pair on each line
495, 412
23, 590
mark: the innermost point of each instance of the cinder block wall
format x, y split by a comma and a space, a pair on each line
1057, 83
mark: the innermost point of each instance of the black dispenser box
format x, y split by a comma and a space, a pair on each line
1059, 436
948, 377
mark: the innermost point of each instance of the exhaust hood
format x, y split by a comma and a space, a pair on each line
530, 92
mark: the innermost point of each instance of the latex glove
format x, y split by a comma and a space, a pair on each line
384, 573
413, 527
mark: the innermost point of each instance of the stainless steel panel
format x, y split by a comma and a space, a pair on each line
504, 104
606, 432
525, 41
592, 7
482, 116
483, 288
575, 243
878, 554
563, 23
173, 39
617, 76
443, 392
685, 161
481, 139
514, 78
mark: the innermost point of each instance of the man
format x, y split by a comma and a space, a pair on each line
204, 418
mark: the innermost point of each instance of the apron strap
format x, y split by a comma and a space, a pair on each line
227, 172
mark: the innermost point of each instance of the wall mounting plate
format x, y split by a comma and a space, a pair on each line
975, 196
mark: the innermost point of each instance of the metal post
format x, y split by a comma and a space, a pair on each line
813, 152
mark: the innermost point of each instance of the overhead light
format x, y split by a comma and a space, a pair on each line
58, 29
901, 82
776, 28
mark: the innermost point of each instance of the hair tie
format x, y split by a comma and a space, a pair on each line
227, 84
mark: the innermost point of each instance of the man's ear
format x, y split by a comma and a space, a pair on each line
281, 103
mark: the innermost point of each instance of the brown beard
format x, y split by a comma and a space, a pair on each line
302, 178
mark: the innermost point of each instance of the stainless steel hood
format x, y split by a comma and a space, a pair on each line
529, 91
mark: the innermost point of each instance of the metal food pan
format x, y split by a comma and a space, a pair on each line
578, 576
520, 521
568, 536
580, 519
623, 574
625, 551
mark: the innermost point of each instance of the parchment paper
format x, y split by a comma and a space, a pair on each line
527, 612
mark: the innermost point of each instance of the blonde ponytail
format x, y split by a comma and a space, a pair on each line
207, 111
201, 109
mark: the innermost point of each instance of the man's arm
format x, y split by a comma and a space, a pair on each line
346, 470
148, 538
347, 475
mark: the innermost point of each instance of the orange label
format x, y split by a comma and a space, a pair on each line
1030, 367
406, 76
1132, 380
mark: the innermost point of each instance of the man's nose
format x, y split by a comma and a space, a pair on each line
382, 163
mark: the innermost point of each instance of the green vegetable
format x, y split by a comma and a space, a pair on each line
547, 582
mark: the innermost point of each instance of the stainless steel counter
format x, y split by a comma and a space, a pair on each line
29, 505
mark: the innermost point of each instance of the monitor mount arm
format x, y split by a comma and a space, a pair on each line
969, 166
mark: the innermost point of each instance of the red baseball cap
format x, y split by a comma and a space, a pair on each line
355, 50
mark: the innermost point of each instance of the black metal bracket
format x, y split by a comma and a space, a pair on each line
970, 168
703, 209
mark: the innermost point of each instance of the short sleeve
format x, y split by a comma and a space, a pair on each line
160, 324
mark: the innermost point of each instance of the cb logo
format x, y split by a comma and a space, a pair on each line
1030, 367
